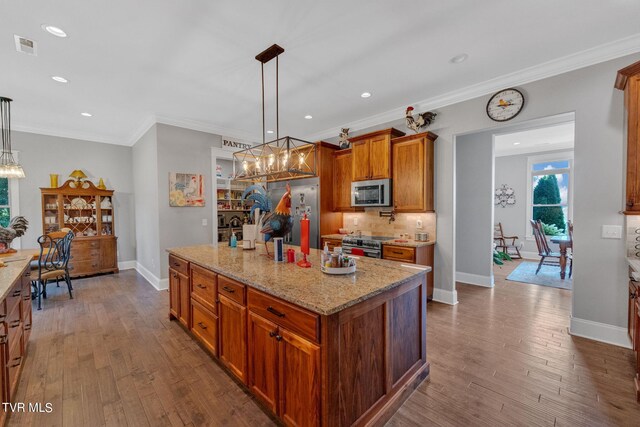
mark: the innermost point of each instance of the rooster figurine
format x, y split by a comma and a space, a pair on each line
17, 228
421, 121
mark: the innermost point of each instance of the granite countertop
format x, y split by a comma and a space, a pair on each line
334, 236
307, 287
8, 275
634, 263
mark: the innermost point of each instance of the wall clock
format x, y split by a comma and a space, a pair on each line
505, 105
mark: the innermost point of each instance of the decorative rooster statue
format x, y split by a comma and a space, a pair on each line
17, 228
272, 224
421, 121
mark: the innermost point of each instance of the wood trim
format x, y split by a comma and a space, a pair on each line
392, 132
429, 135
624, 74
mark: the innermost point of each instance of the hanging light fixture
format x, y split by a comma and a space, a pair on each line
9, 168
280, 159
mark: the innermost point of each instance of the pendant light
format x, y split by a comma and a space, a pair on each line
281, 159
9, 168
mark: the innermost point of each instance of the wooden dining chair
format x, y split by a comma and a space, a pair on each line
53, 262
505, 243
547, 257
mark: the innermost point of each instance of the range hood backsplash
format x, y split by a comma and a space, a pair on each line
370, 222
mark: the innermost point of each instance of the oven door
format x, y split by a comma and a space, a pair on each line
371, 193
367, 252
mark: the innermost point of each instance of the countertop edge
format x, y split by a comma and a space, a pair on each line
420, 270
21, 262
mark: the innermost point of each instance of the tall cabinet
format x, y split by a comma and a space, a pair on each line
88, 211
628, 80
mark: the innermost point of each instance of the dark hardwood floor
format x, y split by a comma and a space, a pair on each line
501, 357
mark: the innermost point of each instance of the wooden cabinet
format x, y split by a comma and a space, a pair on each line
284, 364
233, 336
422, 255
634, 297
371, 154
628, 80
413, 173
342, 178
88, 211
331, 243
179, 291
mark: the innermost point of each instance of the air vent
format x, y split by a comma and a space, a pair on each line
25, 45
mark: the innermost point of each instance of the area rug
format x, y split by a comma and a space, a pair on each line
548, 275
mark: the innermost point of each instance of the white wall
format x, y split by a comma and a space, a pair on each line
41, 155
145, 178
474, 208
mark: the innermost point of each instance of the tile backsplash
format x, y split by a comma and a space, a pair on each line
371, 223
633, 236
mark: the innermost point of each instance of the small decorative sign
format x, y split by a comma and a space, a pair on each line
234, 144
504, 196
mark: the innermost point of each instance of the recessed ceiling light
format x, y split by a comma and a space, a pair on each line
308, 117
58, 32
365, 95
459, 58
86, 114
516, 143
60, 79
269, 131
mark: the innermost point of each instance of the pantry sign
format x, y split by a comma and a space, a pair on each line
235, 144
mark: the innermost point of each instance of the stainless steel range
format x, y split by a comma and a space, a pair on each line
369, 246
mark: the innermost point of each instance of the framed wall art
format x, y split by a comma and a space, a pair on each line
186, 189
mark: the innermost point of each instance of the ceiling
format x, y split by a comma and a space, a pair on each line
191, 63
555, 137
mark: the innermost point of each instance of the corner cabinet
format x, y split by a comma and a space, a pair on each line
413, 172
88, 212
371, 155
628, 80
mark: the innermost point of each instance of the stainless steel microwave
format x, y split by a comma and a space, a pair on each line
371, 193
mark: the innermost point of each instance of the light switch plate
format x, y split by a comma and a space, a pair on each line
612, 232
419, 223
355, 220
204, 222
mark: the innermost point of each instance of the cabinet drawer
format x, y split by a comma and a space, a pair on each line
205, 326
231, 289
78, 245
285, 314
14, 362
14, 329
83, 267
203, 287
13, 300
399, 253
179, 265
85, 254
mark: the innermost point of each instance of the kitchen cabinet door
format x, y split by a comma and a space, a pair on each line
361, 170
232, 318
263, 360
108, 254
174, 295
184, 315
413, 173
342, 178
299, 380
633, 315
379, 157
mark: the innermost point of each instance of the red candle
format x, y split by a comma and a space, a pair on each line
304, 234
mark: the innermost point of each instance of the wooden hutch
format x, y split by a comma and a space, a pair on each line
88, 211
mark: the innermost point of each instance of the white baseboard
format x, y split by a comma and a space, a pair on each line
600, 332
445, 297
475, 279
127, 265
159, 284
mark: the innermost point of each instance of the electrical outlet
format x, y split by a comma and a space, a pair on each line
612, 232
355, 220
419, 223
204, 222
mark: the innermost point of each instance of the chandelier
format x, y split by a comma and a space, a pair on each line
9, 168
280, 159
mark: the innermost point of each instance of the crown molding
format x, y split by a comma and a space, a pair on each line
582, 59
141, 130
207, 127
71, 134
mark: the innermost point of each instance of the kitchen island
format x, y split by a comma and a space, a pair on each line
314, 349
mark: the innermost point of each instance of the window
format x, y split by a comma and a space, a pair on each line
5, 205
550, 191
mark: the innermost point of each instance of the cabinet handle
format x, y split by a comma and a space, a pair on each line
176, 264
19, 361
175, 275
274, 311
3, 339
202, 325
2, 317
278, 337
273, 334
94, 265
397, 252
630, 203
27, 298
16, 293
27, 274
228, 289
632, 295
14, 324
201, 286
